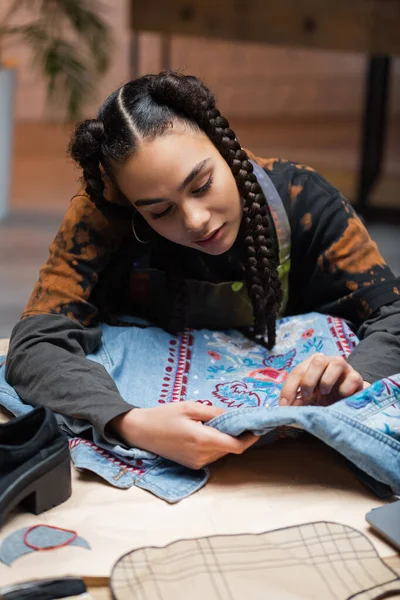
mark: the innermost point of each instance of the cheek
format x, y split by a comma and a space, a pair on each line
166, 227
232, 201
226, 197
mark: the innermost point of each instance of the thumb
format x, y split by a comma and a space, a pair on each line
200, 412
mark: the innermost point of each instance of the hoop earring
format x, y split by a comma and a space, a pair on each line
135, 234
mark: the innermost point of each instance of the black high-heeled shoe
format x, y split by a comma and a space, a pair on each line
35, 466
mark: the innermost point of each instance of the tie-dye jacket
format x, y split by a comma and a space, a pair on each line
95, 261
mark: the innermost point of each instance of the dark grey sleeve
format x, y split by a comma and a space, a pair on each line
378, 353
46, 364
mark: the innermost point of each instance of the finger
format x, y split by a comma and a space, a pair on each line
224, 443
312, 376
334, 371
291, 385
248, 439
351, 384
200, 412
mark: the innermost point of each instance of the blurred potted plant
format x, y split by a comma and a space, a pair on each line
69, 45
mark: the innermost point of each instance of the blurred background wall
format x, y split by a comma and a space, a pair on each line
251, 80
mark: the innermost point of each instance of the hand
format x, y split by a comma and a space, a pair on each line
320, 380
176, 431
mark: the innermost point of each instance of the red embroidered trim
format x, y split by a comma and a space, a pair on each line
338, 332
75, 442
185, 355
174, 387
166, 387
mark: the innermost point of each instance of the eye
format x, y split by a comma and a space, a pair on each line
163, 214
204, 188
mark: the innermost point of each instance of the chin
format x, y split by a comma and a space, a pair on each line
218, 250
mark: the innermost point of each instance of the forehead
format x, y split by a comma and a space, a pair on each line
164, 162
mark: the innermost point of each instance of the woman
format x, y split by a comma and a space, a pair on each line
169, 190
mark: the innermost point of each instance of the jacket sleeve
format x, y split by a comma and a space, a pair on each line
337, 269
46, 362
378, 354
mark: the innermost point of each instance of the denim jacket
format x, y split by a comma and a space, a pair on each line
225, 369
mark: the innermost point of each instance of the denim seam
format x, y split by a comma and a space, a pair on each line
229, 415
371, 411
156, 463
185, 489
105, 356
393, 443
169, 497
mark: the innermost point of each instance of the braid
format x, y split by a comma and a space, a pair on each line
85, 149
194, 101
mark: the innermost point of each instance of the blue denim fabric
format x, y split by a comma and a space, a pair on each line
227, 370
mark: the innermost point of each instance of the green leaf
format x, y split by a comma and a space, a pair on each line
88, 26
66, 73
70, 63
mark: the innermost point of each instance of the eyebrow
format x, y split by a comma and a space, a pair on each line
192, 175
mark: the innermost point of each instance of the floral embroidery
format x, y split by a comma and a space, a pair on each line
236, 372
240, 368
374, 394
382, 403
316, 344
236, 394
288, 331
233, 343
390, 431
213, 370
287, 336
268, 374
307, 334
280, 361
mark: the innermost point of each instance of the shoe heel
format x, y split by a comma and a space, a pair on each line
51, 489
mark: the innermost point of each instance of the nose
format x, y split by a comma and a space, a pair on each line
195, 218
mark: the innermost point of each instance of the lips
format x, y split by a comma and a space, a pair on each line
209, 237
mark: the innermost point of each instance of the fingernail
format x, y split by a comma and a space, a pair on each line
283, 402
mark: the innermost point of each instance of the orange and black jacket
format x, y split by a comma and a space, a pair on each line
95, 262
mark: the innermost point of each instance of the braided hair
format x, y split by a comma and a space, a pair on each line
144, 109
